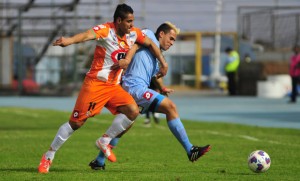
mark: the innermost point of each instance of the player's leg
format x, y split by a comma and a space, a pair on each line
177, 128
147, 117
63, 133
294, 90
120, 102
298, 83
174, 123
231, 83
120, 125
156, 116
99, 162
150, 100
86, 106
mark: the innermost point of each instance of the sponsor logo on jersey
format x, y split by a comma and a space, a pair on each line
122, 44
132, 38
75, 114
118, 55
132, 34
147, 95
114, 43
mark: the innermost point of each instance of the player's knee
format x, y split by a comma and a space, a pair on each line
133, 114
76, 125
131, 111
172, 107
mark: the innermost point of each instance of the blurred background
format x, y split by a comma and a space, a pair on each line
263, 32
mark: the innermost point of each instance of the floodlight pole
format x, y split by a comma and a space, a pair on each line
216, 72
20, 53
75, 54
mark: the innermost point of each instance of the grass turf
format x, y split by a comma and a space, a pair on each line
144, 153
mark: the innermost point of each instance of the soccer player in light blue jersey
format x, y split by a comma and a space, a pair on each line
143, 68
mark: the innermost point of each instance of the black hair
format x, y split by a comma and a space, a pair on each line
122, 11
163, 27
228, 49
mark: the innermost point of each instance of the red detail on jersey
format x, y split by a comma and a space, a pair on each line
147, 95
118, 55
96, 28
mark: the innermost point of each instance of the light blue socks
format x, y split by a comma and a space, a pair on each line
179, 132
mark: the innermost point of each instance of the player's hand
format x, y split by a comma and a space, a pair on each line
166, 91
62, 41
121, 64
162, 71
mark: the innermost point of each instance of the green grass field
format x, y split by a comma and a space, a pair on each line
144, 153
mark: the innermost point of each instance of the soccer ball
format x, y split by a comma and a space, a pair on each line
259, 161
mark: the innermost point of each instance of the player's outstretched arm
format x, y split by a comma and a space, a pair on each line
78, 38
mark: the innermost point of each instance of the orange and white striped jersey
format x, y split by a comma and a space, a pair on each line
109, 49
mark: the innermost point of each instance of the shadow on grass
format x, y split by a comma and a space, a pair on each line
35, 170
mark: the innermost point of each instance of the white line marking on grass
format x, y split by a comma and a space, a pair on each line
278, 143
248, 137
25, 113
218, 133
160, 127
244, 137
230, 135
146, 125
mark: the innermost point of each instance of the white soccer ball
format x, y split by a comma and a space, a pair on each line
259, 161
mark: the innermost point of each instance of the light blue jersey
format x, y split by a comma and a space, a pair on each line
138, 75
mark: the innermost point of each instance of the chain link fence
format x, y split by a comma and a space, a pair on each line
276, 28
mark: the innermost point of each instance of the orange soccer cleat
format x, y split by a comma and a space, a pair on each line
106, 149
44, 165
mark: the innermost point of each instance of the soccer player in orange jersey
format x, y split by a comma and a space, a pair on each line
101, 85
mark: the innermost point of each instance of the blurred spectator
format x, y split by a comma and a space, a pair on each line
295, 73
231, 68
29, 86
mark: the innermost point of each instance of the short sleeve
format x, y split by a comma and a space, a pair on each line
101, 31
140, 36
